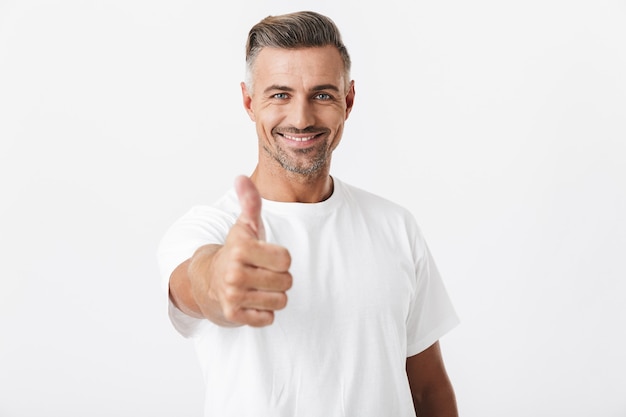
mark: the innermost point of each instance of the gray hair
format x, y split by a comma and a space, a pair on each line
293, 31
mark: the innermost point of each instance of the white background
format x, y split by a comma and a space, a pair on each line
501, 125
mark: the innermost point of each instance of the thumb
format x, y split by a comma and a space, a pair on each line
250, 202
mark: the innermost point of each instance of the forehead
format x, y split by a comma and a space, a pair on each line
306, 65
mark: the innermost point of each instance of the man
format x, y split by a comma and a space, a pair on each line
306, 296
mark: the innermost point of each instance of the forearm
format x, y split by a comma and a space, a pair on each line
181, 293
438, 401
433, 395
185, 294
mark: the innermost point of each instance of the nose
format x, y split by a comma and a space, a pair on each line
302, 113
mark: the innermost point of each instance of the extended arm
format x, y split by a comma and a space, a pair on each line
433, 395
241, 282
188, 297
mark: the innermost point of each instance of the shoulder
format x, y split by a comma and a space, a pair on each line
383, 213
213, 220
367, 200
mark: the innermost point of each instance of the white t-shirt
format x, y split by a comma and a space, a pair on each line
366, 295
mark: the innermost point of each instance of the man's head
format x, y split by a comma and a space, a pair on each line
297, 93
293, 31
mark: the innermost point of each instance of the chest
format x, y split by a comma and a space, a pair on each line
346, 268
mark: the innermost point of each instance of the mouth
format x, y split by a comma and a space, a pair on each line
300, 138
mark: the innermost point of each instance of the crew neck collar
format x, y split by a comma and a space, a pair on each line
321, 208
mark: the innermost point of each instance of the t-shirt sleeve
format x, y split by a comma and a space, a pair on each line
431, 313
200, 226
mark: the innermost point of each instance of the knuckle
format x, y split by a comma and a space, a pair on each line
237, 253
255, 318
229, 313
234, 277
232, 297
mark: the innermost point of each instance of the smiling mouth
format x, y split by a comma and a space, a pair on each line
299, 138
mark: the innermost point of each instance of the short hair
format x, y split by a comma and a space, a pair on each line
297, 30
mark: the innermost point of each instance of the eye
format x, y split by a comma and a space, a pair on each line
323, 96
280, 96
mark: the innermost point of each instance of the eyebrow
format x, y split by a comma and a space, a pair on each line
322, 87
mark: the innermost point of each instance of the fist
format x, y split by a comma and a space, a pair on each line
249, 277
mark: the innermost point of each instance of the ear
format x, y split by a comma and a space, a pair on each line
247, 101
350, 99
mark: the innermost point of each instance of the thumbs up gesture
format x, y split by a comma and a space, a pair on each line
246, 278
250, 202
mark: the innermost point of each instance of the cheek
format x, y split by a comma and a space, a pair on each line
338, 136
269, 118
334, 115
265, 123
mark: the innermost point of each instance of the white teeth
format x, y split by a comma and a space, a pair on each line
298, 139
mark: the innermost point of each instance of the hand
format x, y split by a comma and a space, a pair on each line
247, 277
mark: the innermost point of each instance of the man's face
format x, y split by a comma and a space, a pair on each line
300, 102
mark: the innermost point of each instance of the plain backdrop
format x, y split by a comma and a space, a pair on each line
501, 125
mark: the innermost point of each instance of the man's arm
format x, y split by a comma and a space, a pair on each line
182, 292
241, 282
433, 395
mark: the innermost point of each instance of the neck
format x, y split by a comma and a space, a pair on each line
291, 187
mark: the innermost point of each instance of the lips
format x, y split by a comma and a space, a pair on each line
299, 138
